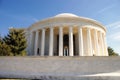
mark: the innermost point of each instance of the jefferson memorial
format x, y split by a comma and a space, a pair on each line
66, 34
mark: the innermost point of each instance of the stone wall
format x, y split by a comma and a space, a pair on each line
60, 68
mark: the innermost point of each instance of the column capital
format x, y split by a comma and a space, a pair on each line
37, 31
32, 32
70, 27
104, 34
79, 27
88, 28
43, 29
51, 27
60, 27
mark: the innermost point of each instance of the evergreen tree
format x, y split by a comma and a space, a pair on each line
0, 38
16, 41
4, 49
111, 52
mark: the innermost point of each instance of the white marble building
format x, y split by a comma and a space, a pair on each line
67, 35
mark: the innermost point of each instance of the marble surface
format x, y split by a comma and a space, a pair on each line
60, 68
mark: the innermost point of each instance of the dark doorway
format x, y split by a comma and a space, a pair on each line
65, 45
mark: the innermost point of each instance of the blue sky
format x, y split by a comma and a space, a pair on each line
22, 13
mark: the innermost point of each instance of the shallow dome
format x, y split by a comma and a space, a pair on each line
66, 15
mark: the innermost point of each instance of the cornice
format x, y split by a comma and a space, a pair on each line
52, 20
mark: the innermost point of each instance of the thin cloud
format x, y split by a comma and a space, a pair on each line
19, 17
35, 19
106, 8
103, 10
118, 26
113, 31
114, 25
115, 36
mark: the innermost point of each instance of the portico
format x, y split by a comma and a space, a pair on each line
68, 35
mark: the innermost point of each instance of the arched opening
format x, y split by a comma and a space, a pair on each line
66, 45
66, 50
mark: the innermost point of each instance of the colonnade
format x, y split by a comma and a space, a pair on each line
100, 47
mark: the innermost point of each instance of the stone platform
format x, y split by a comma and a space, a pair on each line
60, 68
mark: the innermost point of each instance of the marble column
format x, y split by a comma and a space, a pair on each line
43, 42
51, 41
105, 46
80, 41
101, 41
28, 43
96, 42
104, 51
60, 41
89, 42
71, 41
31, 43
36, 42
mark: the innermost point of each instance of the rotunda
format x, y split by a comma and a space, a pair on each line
67, 35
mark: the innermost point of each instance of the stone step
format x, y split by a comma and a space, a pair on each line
60, 68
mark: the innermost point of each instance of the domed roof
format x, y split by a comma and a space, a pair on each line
66, 15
